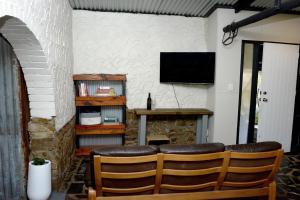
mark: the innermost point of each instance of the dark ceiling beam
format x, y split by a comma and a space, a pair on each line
278, 8
242, 5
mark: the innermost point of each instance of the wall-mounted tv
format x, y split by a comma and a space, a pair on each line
187, 67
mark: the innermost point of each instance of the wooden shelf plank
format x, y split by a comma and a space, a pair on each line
84, 151
99, 77
172, 111
100, 131
99, 126
100, 101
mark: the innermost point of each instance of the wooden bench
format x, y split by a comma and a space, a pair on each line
223, 186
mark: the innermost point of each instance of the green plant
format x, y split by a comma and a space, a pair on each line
39, 161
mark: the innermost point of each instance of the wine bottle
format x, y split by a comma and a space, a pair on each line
149, 101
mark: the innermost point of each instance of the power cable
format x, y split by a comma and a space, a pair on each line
175, 96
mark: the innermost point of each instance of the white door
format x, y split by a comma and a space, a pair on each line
278, 86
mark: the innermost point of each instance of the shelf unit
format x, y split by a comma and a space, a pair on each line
88, 136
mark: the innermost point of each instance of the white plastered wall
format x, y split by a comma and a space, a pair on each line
279, 28
41, 35
211, 39
131, 44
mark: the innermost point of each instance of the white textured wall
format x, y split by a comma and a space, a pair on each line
131, 44
47, 31
280, 28
211, 39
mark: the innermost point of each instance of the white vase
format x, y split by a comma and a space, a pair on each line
39, 181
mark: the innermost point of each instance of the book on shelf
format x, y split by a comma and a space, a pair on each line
111, 123
103, 95
104, 91
110, 119
83, 90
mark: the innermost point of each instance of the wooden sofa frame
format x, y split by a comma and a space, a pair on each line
268, 188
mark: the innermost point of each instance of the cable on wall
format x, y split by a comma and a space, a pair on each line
175, 96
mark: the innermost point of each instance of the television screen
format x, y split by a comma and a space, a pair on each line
187, 67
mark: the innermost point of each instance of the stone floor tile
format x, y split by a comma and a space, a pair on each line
75, 188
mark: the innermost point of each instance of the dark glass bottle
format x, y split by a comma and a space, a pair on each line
149, 101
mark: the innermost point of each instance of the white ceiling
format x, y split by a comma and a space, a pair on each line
195, 8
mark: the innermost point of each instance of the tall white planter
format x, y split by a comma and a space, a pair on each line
39, 181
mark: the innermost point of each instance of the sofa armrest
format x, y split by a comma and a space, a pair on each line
91, 194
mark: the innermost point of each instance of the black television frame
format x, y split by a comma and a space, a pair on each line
163, 69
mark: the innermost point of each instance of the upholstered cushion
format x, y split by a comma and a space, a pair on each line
254, 147
126, 151
191, 148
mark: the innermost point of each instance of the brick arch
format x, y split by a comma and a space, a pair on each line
33, 60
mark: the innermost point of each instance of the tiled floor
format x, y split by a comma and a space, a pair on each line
288, 179
74, 183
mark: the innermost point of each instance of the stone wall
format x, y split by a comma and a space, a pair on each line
56, 146
180, 129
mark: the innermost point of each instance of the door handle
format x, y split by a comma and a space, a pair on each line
265, 100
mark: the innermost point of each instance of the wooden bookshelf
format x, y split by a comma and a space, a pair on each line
93, 103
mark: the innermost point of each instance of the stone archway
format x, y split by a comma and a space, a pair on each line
39, 82
46, 64
33, 60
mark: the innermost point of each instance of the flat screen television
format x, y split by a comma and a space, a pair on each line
187, 67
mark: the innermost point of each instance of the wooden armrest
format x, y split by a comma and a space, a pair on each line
91, 194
